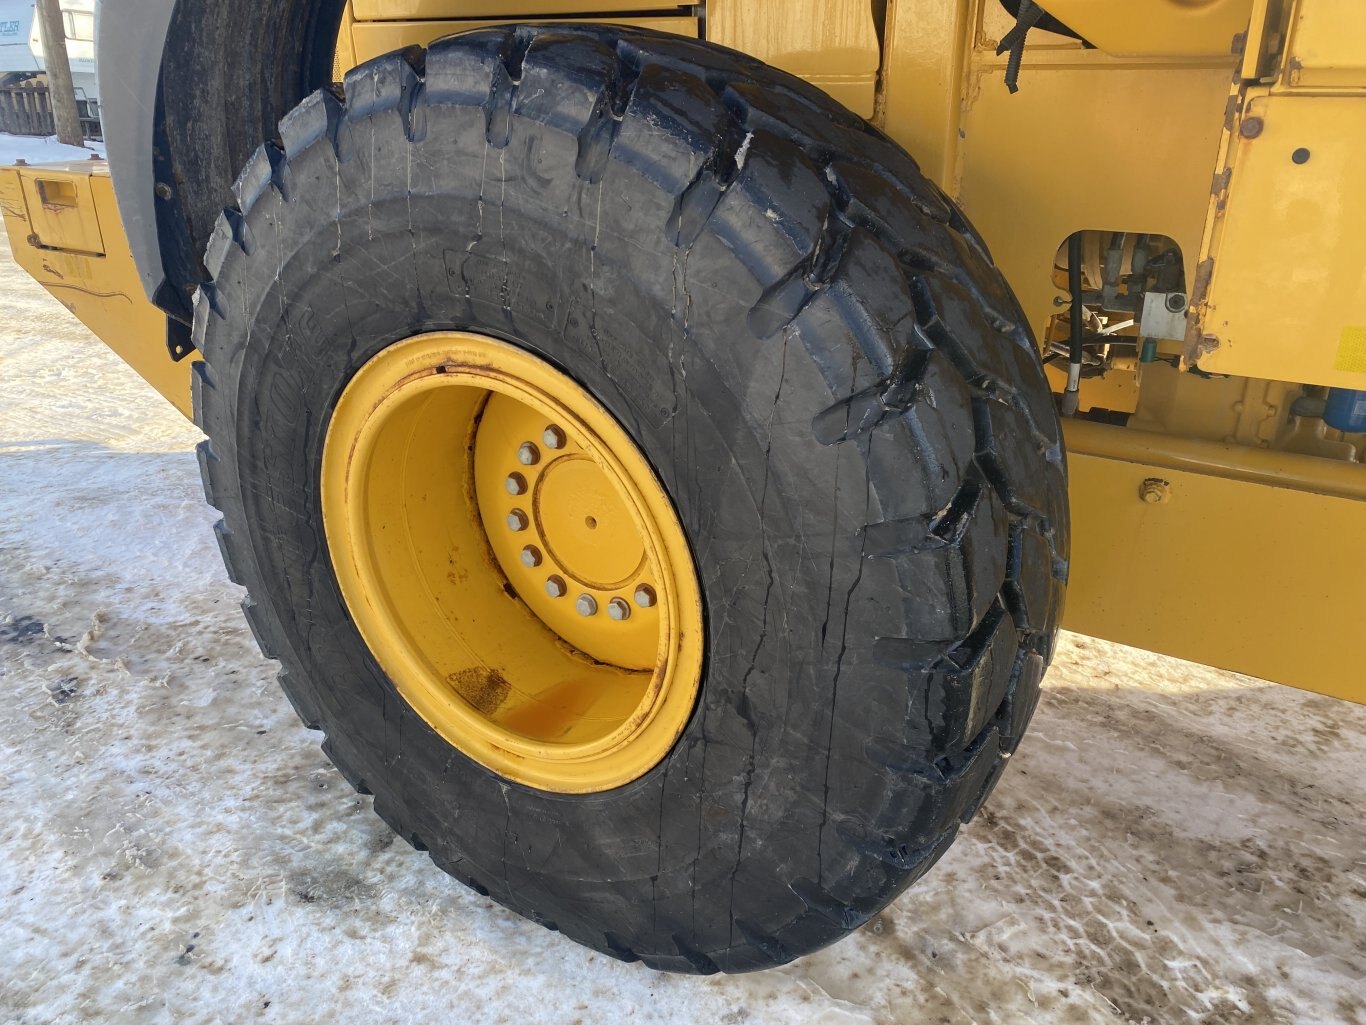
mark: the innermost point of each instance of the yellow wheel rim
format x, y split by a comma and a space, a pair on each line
512, 561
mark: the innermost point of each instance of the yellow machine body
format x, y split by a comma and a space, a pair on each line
1210, 520
65, 231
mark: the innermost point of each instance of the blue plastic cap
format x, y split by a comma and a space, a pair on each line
1346, 410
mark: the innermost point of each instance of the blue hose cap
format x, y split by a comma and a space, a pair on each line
1346, 410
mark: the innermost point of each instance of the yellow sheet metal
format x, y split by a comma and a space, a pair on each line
1154, 28
1288, 245
419, 10
1090, 142
1249, 574
61, 211
1327, 46
830, 43
79, 253
370, 39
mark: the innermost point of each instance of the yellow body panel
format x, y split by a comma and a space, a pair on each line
1090, 141
1135, 28
1285, 241
371, 39
1260, 576
1130, 137
418, 10
1308, 221
61, 210
830, 43
1322, 55
95, 279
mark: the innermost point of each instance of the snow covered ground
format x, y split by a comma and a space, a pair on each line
1172, 844
38, 150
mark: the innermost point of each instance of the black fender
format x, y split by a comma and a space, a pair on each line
189, 89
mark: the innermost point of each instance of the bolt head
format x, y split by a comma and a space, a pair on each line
517, 520
1251, 127
1154, 491
531, 557
528, 454
554, 586
618, 609
516, 484
1176, 302
586, 605
553, 437
645, 596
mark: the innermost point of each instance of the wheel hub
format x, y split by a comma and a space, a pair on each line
563, 533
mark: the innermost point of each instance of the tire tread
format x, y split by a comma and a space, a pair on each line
974, 671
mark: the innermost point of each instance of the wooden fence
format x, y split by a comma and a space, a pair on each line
26, 109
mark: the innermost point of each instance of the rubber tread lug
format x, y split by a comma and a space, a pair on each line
846, 916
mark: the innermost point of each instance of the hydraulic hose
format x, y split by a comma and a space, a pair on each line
1070, 397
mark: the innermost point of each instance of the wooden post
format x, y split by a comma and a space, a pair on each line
61, 90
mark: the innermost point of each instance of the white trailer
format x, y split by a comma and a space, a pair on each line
21, 48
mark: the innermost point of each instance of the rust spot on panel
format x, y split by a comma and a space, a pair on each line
482, 687
1198, 343
1203, 273
1204, 345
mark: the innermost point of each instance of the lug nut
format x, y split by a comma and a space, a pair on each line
517, 520
554, 586
645, 596
618, 609
587, 605
528, 454
516, 484
553, 437
531, 557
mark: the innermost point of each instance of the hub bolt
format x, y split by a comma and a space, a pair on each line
618, 609
531, 557
587, 605
554, 586
516, 484
517, 520
645, 596
528, 454
553, 437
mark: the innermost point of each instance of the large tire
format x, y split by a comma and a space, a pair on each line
832, 381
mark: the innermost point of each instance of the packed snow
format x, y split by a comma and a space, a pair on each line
1172, 844
37, 149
